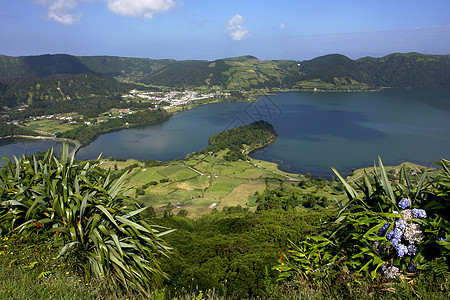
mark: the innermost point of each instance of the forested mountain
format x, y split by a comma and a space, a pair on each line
124, 68
327, 72
40, 66
63, 87
412, 70
29, 78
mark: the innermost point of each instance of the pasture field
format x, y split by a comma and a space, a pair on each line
49, 126
201, 183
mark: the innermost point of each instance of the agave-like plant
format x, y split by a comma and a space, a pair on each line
385, 228
86, 207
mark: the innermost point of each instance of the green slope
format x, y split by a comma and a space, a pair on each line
329, 72
411, 70
40, 66
124, 68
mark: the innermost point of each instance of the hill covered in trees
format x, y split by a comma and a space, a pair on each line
242, 139
410, 70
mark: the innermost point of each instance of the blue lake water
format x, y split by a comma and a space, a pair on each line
316, 130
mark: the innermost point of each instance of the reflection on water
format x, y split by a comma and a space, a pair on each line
17, 147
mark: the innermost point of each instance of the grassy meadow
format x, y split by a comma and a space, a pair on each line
205, 182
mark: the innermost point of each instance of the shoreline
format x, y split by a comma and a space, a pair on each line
76, 144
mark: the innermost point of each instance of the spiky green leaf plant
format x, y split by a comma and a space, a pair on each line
383, 227
82, 203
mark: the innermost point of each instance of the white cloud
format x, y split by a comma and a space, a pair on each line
140, 8
236, 31
63, 11
282, 25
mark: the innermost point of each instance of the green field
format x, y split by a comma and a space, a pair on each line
202, 183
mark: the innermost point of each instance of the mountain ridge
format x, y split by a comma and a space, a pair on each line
328, 72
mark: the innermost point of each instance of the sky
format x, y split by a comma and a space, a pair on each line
213, 29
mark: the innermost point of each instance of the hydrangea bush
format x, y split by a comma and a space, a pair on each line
388, 229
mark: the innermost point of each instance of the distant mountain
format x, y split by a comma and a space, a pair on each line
42, 80
411, 70
40, 66
243, 72
329, 72
124, 68
63, 87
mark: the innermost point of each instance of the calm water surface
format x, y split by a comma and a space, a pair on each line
316, 130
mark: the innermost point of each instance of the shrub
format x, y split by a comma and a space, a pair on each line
393, 228
86, 208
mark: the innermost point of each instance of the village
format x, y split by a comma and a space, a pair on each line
52, 123
173, 98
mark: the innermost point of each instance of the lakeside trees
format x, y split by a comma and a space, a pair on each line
87, 133
254, 135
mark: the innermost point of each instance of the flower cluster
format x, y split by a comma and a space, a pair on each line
404, 203
419, 213
37, 224
390, 272
403, 231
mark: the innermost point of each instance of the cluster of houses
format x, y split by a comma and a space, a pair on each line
60, 118
174, 98
170, 99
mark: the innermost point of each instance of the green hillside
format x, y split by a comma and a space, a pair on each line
40, 66
64, 87
412, 70
124, 68
329, 72
243, 72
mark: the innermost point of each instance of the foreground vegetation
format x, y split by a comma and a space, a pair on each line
217, 224
69, 231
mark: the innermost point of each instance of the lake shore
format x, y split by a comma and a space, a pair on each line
76, 144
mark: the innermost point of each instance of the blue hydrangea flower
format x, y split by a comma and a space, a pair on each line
401, 250
398, 233
394, 241
383, 268
390, 272
401, 224
390, 235
382, 230
412, 249
419, 213
404, 203
412, 267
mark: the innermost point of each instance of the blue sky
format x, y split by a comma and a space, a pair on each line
200, 29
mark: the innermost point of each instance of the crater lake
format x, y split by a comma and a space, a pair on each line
316, 130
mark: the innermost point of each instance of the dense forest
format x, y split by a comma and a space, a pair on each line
254, 135
63, 87
233, 251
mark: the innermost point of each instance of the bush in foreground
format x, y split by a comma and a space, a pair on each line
83, 209
389, 231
